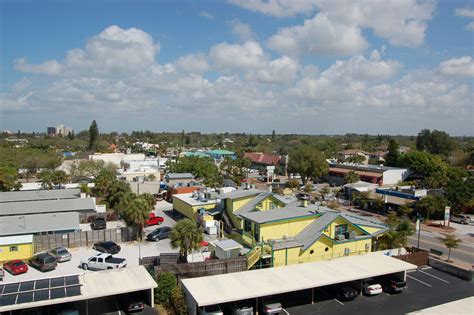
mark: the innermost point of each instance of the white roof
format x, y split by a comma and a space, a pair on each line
100, 284
264, 282
19, 239
228, 244
188, 198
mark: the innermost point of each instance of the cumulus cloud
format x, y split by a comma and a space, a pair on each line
278, 8
242, 30
196, 63
319, 35
466, 12
463, 66
233, 56
50, 67
280, 70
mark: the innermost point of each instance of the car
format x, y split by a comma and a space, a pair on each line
344, 292
461, 218
99, 223
211, 310
2, 274
15, 267
159, 234
239, 308
392, 284
154, 220
66, 309
43, 262
132, 302
61, 254
368, 286
103, 262
271, 306
108, 247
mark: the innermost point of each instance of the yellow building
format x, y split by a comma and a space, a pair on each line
190, 204
16, 247
302, 233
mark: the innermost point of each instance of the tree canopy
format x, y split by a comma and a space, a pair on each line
93, 135
200, 167
308, 162
186, 236
435, 142
393, 156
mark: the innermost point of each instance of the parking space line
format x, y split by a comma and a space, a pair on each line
338, 301
287, 313
433, 276
429, 285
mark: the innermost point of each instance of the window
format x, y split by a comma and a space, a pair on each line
247, 226
14, 248
326, 230
273, 206
341, 229
347, 251
311, 252
256, 233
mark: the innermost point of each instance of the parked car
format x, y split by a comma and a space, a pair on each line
344, 292
239, 308
108, 247
211, 310
392, 284
61, 254
15, 267
2, 274
154, 220
159, 234
43, 262
102, 262
271, 306
461, 218
132, 302
368, 286
99, 224
66, 309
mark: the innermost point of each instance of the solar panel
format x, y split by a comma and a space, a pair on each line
57, 293
8, 299
11, 288
72, 280
42, 284
1, 289
24, 297
57, 282
73, 290
27, 286
41, 295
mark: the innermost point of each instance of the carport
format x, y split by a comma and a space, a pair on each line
253, 284
89, 285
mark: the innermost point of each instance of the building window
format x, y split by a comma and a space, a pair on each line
256, 233
311, 252
247, 226
341, 229
14, 248
326, 249
326, 230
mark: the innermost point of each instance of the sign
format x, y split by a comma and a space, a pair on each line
447, 214
417, 225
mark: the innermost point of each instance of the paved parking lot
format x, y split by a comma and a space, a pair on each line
425, 288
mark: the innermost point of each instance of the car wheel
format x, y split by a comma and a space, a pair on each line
463, 222
85, 267
109, 268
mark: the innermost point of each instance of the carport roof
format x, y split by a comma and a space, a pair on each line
264, 282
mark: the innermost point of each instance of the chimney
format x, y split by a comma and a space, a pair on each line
304, 201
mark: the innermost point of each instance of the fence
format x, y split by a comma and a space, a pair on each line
83, 238
417, 257
206, 268
465, 274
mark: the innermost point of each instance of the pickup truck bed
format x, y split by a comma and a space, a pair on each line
115, 260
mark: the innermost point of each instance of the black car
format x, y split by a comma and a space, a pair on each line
159, 234
43, 262
132, 302
344, 292
108, 247
99, 224
392, 284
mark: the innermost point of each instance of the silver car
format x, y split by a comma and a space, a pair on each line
461, 218
61, 254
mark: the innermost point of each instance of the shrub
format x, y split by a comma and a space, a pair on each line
178, 305
166, 284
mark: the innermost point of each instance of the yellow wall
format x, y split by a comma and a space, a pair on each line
370, 229
266, 203
188, 210
236, 204
332, 228
288, 228
25, 251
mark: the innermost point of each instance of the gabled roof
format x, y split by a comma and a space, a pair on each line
262, 158
249, 206
313, 231
180, 176
289, 212
240, 193
54, 194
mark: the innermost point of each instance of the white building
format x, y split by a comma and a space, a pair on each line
116, 158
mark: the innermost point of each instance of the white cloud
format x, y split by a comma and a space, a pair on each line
242, 30
466, 12
232, 56
206, 15
278, 8
196, 63
469, 26
281, 70
463, 66
50, 67
319, 36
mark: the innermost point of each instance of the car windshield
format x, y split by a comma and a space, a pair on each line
49, 260
18, 264
62, 252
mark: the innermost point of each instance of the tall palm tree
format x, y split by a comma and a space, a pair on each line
136, 214
186, 236
404, 230
389, 240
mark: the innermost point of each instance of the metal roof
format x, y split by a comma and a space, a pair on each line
47, 206
314, 230
240, 193
36, 223
17, 239
288, 212
190, 200
270, 281
180, 176
100, 284
32, 195
228, 244
249, 206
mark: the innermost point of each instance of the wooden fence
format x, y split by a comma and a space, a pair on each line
83, 238
417, 257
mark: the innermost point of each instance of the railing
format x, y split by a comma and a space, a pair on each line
253, 256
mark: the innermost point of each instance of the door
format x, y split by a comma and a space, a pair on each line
93, 263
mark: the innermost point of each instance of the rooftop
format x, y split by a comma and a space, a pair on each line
193, 201
17, 239
291, 211
228, 244
241, 193
220, 152
31, 195
36, 223
249, 206
180, 176
47, 206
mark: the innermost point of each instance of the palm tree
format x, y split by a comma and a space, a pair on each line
404, 230
186, 236
389, 240
352, 177
136, 214
450, 241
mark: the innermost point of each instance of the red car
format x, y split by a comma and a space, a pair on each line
154, 220
15, 267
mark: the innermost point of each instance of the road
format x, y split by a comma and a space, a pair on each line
464, 252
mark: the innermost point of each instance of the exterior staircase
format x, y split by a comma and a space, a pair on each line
253, 256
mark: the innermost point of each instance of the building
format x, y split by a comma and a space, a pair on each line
60, 130
196, 203
380, 175
179, 178
16, 247
263, 159
358, 187
219, 155
350, 153
116, 158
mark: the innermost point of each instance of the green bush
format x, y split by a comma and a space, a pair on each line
166, 284
178, 304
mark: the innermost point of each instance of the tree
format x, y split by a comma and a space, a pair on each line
8, 179
91, 169
351, 177
435, 142
50, 178
104, 180
356, 159
186, 236
177, 302
393, 155
151, 177
200, 167
135, 213
166, 284
293, 184
324, 192
70, 135
450, 241
273, 136
423, 163
431, 206
308, 162
423, 140
93, 135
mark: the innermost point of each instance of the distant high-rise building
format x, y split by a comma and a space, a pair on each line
60, 130
51, 131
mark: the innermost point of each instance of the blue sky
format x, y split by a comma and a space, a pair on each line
309, 66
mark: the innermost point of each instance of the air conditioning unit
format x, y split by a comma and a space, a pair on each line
340, 237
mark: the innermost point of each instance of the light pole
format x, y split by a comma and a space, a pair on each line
418, 227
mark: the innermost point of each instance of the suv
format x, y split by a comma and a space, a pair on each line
108, 247
159, 234
392, 284
43, 262
461, 218
99, 224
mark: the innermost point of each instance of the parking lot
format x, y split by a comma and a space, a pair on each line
425, 288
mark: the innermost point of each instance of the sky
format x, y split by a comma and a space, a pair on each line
253, 66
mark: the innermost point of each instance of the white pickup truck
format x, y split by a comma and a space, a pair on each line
103, 261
